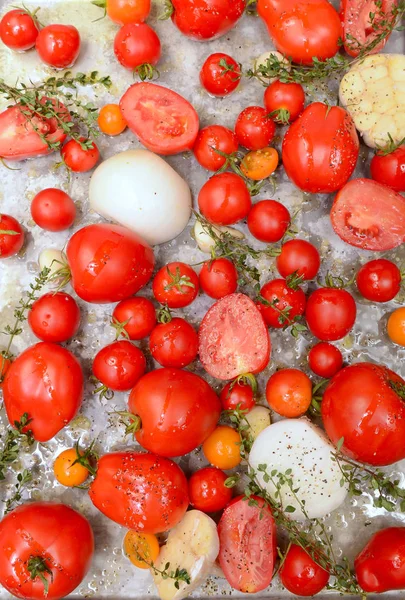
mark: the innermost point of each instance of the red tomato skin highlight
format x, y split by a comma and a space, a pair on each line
301, 575
207, 490
203, 20
380, 566
254, 129
325, 360
224, 199
330, 313
218, 278
18, 30
53, 210
218, 137
268, 221
54, 317
141, 314
58, 45
119, 365
10, 244
215, 79
136, 44
174, 344
379, 280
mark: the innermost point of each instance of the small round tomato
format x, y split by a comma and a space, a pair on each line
19, 29
300, 574
11, 236
206, 20
224, 199
222, 448
286, 303
126, 11
218, 278
237, 395
54, 317
259, 164
210, 139
174, 344
389, 169
110, 120
53, 210
137, 48
220, 75
325, 360
58, 45
119, 366
67, 469
284, 101
79, 159
207, 490
176, 285
268, 221
330, 313
289, 392
379, 280
396, 326
141, 549
300, 257
254, 128
134, 317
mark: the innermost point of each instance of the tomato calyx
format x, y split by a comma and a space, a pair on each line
86, 459
131, 422
245, 379
33, 14
399, 388
281, 116
168, 10
101, 389
335, 282
119, 327
37, 567
146, 71
177, 280
164, 315
294, 280
315, 408
390, 146
229, 68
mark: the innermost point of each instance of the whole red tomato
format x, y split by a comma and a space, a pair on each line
284, 101
177, 410
281, 303
207, 490
224, 199
45, 381
299, 257
325, 360
320, 149
300, 574
389, 169
379, 280
11, 236
220, 74
380, 566
135, 316
143, 492
108, 263
58, 45
268, 221
206, 19
218, 278
210, 139
174, 344
254, 128
79, 159
176, 285
363, 405
119, 365
137, 48
44, 541
19, 29
54, 317
238, 394
330, 313
53, 210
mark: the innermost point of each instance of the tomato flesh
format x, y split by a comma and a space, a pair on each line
358, 29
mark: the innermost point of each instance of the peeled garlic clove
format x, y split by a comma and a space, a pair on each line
258, 418
54, 260
205, 242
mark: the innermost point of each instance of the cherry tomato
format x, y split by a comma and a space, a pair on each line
289, 392
126, 11
254, 128
138, 546
110, 120
50, 542
330, 313
287, 303
67, 471
207, 490
325, 360
53, 210
119, 365
220, 74
211, 138
78, 159
136, 316
26, 389
259, 164
379, 280
176, 285
222, 448
19, 29
137, 48
206, 20
389, 169
54, 317
380, 566
358, 30
143, 492
11, 236
218, 278
177, 410
58, 45
247, 544
224, 199
284, 101
300, 574
300, 257
396, 326
236, 395
174, 344
268, 221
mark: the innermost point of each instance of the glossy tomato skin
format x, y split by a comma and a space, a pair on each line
34, 372
54, 532
110, 120
396, 326
288, 303
325, 360
211, 138
137, 44
220, 74
54, 317
174, 344
355, 16
330, 313
235, 395
379, 280
108, 263
53, 210
289, 392
285, 96
140, 314
128, 11
206, 19
300, 574
207, 490
268, 221
144, 492
359, 390
178, 411
176, 285
390, 169
119, 365
247, 537
18, 30
153, 114
380, 566
254, 129
58, 45
369, 215
224, 199
10, 243
298, 256
77, 159
218, 278
302, 29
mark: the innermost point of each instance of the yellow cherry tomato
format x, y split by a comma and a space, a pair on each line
66, 472
141, 548
396, 326
259, 164
222, 448
110, 120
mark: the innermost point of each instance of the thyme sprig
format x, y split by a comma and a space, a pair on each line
390, 146
284, 316
229, 68
12, 443
23, 479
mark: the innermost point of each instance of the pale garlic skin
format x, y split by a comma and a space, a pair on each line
373, 92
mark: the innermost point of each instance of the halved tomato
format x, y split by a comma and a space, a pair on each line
358, 28
369, 215
247, 538
233, 338
164, 121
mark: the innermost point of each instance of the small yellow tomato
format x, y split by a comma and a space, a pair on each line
142, 549
396, 326
259, 164
222, 448
66, 472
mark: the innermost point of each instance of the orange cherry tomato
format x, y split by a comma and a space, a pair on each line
396, 326
142, 549
110, 120
289, 392
66, 472
222, 448
259, 164
126, 11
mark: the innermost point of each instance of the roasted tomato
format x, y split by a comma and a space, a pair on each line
359, 30
205, 19
380, 566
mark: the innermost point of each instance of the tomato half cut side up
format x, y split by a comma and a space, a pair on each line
233, 338
164, 121
358, 28
247, 538
369, 215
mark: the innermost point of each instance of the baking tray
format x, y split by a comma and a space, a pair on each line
111, 575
